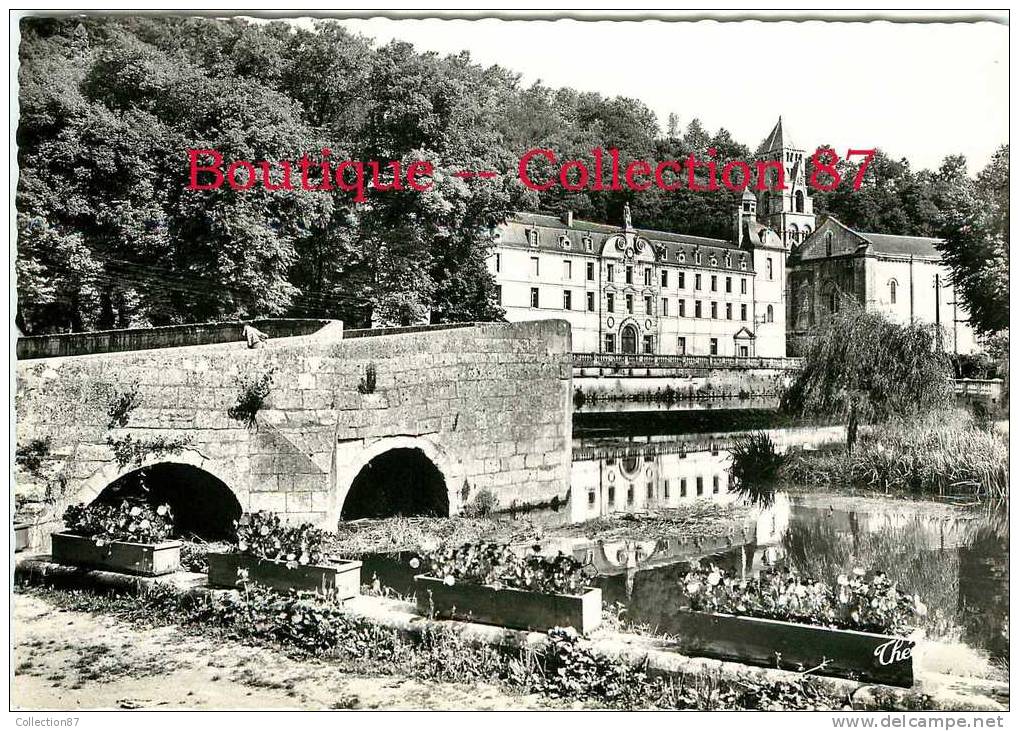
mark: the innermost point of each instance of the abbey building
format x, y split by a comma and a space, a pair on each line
626, 289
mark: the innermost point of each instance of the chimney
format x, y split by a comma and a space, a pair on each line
567, 219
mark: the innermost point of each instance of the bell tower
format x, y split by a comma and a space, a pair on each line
789, 212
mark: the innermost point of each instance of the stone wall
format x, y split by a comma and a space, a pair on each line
488, 404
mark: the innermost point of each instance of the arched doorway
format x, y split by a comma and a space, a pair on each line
202, 504
401, 481
629, 339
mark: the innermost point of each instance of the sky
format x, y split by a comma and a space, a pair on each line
919, 91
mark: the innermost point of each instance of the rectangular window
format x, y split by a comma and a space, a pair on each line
498, 262
610, 302
696, 281
649, 344
665, 307
532, 237
590, 301
629, 275
728, 310
629, 495
629, 304
728, 284
590, 271
714, 310
682, 487
612, 495
743, 285
567, 269
665, 487
682, 308
682, 280
681, 346
650, 491
534, 296
535, 266
771, 269
743, 313
610, 273
498, 294
697, 308
665, 277
647, 277
567, 299
714, 346
649, 307
610, 343
714, 283
700, 486
591, 497
714, 484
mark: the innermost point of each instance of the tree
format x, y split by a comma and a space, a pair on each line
862, 367
974, 228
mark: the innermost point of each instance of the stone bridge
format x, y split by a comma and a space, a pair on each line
343, 418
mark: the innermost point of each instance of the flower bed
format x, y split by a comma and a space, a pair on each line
489, 583
21, 537
283, 558
853, 628
129, 538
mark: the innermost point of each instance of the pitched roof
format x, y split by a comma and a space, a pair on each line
902, 245
777, 139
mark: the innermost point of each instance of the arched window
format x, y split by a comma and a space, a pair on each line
806, 232
833, 300
827, 243
799, 201
770, 314
893, 286
794, 232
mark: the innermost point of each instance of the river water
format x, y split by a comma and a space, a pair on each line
955, 558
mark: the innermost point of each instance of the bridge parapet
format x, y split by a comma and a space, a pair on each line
61, 345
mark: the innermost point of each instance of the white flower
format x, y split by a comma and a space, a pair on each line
414, 563
136, 511
693, 587
714, 578
842, 580
859, 572
449, 581
161, 510
921, 608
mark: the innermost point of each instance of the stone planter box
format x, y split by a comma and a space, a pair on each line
21, 537
773, 643
512, 608
144, 559
343, 577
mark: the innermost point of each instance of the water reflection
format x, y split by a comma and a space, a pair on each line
956, 560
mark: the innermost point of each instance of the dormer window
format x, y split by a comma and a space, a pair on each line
743, 263
681, 257
728, 260
532, 236
828, 243
564, 242
697, 257
588, 243
714, 261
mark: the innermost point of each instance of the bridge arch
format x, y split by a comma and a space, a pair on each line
204, 498
397, 476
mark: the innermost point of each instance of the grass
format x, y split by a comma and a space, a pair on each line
946, 453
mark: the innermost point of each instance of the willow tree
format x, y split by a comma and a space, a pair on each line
861, 367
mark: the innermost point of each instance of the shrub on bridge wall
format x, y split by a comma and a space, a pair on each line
127, 450
121, 406
251, 398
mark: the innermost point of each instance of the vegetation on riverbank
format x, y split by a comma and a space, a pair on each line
309, 625
945, 453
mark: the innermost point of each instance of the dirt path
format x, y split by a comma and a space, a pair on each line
67, 660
